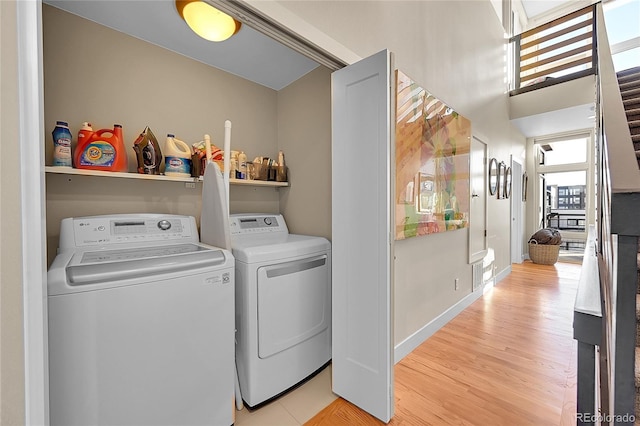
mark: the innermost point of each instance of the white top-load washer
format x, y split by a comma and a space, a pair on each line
141, 324
283, 305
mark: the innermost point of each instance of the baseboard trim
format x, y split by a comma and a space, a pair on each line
503, 274
405, 347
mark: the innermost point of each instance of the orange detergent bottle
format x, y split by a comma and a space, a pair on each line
103, 150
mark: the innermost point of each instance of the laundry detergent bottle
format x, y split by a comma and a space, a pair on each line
103, 150
177, 157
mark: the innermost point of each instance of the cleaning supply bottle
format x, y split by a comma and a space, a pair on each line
61, 144
103, 150
177, 160
242, 165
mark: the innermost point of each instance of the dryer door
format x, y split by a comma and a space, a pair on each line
293, 303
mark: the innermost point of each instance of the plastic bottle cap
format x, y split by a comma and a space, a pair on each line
62, 123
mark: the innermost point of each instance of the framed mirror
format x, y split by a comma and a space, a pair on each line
502, 169
493, 176
507, 182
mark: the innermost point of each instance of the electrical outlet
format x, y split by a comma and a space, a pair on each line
190, 185
456, 283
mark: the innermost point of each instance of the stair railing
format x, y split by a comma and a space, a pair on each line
561, 50
618, 231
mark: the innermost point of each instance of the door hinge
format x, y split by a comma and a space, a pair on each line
485, 233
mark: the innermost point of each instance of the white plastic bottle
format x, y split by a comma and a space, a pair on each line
177, 159
242, 165
233, 165
61, 144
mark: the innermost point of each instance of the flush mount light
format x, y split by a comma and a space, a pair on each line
207, 21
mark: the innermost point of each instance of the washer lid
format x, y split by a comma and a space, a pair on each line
85, 270
253, 248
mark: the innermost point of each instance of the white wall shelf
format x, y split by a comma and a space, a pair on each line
126, 175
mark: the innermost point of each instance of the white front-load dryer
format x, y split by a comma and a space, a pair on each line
283, 305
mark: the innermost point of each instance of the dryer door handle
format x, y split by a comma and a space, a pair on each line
296, 266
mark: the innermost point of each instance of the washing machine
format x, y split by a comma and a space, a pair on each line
283, 305
141, 324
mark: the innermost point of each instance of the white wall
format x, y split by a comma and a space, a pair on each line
456, 50
304, 134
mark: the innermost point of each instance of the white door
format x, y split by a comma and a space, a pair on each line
517, 220
478, 206
362, 154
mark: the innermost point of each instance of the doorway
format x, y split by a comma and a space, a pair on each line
565, 190
37, 104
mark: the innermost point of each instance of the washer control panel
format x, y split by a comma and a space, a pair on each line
248, 224
117, 229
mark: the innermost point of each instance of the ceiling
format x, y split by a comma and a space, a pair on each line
559, 121
249, 54
535, 8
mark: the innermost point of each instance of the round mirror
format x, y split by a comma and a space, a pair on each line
507, 183
493, 176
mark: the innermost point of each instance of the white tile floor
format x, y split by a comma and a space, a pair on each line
293, 408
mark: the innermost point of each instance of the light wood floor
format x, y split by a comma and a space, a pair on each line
508, 359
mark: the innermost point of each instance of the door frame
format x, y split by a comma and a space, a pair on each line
269, 18
479, 255
517, 219
588, 167
34, 273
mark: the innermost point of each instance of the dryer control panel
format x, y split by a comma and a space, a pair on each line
117, 229
251, 224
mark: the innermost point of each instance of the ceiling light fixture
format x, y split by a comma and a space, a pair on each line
207, 21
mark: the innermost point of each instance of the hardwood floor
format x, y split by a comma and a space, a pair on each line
508, 359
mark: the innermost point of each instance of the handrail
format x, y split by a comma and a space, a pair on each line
619, 229
554, 49
587, 330
588, 298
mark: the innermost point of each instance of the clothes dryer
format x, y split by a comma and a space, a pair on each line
141, 324
283, 305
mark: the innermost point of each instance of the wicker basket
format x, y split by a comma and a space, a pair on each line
543, 254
